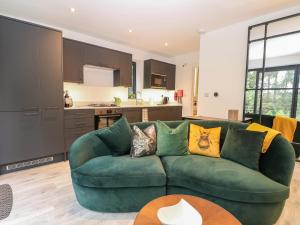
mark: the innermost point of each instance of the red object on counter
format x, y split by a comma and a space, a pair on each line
180, 93
175, 95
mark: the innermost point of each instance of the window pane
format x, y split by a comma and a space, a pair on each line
277, 102
284, 26
257, 32
249, 105
258, 102
279, 79
298, 106
251, 80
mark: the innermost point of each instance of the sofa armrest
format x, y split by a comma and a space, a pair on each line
86, 147
279, 161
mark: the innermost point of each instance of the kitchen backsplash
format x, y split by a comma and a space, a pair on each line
154, 95
87, 93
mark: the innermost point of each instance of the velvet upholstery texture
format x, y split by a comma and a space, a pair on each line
222, 178
116, 199
122, 171
246, 213
172, 141
244, 147
247, 194
117, 137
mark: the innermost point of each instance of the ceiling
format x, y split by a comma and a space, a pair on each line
153, 22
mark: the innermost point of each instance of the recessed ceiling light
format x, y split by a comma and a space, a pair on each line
130, 30
166, 44
72, 10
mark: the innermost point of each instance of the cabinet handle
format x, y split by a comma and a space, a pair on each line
51, 107
79, 124
31, 113
35, 109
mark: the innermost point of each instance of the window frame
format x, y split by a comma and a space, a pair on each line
133, 81
264, 39
257, 89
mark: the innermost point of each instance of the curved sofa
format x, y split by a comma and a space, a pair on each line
121, 184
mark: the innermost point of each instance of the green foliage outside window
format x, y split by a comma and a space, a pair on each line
278, 92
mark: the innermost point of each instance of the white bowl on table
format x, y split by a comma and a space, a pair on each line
180, 214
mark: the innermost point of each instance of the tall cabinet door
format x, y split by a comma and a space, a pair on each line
19, 136
51, 90
19, 82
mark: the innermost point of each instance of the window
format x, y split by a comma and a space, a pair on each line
278, 91
273, 68
132, 89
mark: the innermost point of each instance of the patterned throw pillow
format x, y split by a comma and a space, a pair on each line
205, 141
143, 142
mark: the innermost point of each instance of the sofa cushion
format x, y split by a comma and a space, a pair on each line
204, 141
222, 178
172, 141
117, 137
122, 171
244, 147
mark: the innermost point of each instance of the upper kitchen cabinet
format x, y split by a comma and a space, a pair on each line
157, 68
77, 54
171, 76
123, 75
73, 62
102, 57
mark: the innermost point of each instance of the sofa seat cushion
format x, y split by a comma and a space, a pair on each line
121, 171
222, 178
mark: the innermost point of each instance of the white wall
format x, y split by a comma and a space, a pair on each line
222, 66
185, 65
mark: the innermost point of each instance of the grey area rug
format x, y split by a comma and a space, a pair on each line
6, 200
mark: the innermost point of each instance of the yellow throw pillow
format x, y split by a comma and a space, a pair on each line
204, 141
271, 134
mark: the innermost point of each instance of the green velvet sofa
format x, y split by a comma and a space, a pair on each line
121, 184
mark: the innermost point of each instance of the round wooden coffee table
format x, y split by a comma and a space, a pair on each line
211, 213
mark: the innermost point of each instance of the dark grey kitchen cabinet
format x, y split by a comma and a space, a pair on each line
152, 66
165, 113
133, 115
102, 57
171, 76
51, 85
20, 136
123, 75
19, 79
77, 54
31, 91
77, 123
73, 62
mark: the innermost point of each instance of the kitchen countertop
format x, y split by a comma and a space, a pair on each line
124, 106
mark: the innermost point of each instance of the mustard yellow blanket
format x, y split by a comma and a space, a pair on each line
286, 126
271, 134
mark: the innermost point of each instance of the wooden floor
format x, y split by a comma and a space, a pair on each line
44, 196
